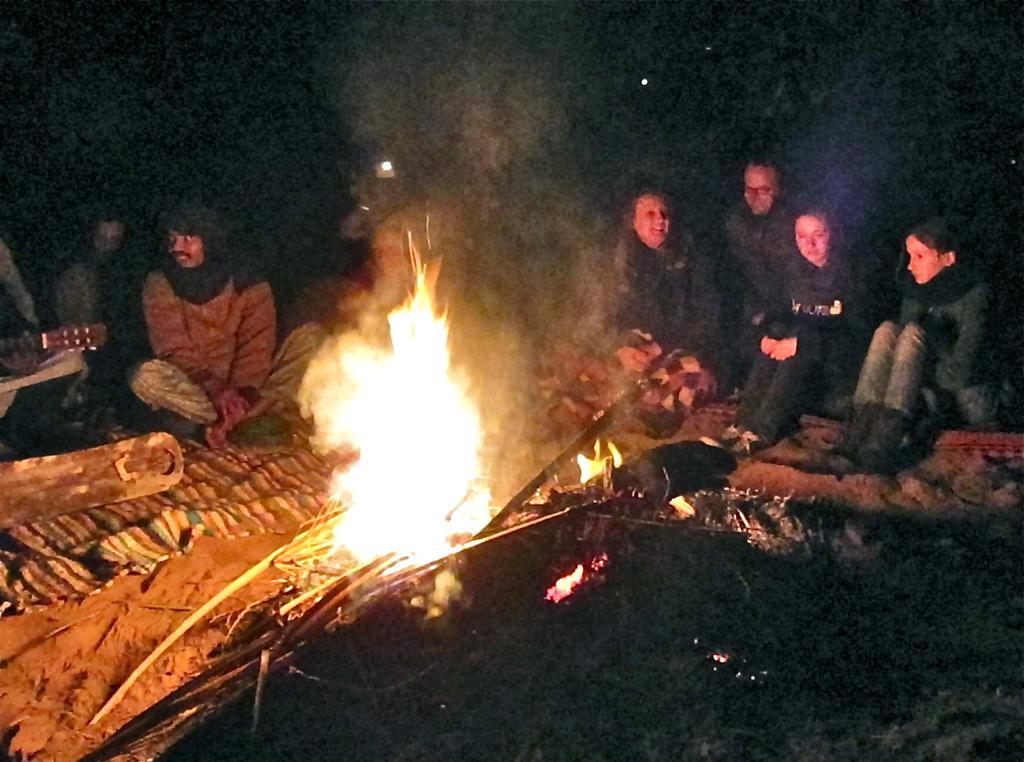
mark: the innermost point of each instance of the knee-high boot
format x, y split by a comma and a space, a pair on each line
880, 452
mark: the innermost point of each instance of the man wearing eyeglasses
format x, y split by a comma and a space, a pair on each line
759, 233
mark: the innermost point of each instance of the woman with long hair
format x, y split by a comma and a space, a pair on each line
806, 343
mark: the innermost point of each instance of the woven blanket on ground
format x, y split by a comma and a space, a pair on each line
223, 493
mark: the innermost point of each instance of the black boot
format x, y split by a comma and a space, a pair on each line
858, 430
880, 452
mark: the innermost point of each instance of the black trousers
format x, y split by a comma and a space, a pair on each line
776, 393
32, 424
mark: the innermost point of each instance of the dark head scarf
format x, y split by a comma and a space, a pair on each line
197, 285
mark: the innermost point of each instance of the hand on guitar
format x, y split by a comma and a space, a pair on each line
21, 362
23, 354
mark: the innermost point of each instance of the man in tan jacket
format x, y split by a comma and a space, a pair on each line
212, 328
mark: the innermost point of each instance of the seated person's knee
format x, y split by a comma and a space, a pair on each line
913, 334
887, 330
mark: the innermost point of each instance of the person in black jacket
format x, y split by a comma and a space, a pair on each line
804, 351
759, 234
666, 303
657, 317
103, 284
665, 288
30, 391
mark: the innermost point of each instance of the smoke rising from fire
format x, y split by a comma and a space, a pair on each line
475, 114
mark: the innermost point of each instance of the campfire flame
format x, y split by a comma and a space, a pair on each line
567, 585
417, 487
590, 469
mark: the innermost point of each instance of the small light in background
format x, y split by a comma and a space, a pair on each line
384, 169
643, 82
707, 48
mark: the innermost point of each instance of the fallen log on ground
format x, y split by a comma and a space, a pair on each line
36, 489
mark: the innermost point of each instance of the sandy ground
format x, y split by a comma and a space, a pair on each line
58, 665
947, 483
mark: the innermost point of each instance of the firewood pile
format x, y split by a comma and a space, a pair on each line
678, 487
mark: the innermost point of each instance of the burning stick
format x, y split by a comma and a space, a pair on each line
568, 584
602, 420
237, 584
319, 615
261, 682
230, 676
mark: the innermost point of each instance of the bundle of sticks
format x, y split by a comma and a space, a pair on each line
276, 643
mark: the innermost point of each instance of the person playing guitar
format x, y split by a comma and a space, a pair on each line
28, 403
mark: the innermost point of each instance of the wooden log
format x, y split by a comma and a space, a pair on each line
35, 489
998, 443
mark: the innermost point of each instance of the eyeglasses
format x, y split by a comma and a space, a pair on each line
760, 190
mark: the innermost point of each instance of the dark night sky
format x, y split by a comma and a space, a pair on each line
888, 111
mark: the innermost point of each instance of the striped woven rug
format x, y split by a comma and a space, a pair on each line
223, 493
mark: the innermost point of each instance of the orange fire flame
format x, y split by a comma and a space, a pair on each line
592, 468
417, 487
567, 585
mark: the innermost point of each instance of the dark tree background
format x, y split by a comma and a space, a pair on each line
529, 118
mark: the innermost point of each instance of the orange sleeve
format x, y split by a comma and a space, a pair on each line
168, 334
257, 335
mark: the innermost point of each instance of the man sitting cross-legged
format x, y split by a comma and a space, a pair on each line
212, 327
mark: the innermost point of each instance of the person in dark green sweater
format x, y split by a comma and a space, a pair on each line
930, 355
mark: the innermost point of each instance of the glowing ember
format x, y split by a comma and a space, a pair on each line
592, 468
567, 585
447, 588
683, 508
417, 486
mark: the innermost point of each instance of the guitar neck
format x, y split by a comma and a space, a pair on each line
66, 337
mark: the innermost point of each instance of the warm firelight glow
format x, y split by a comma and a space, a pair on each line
567, 585
417, 487
592, 468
